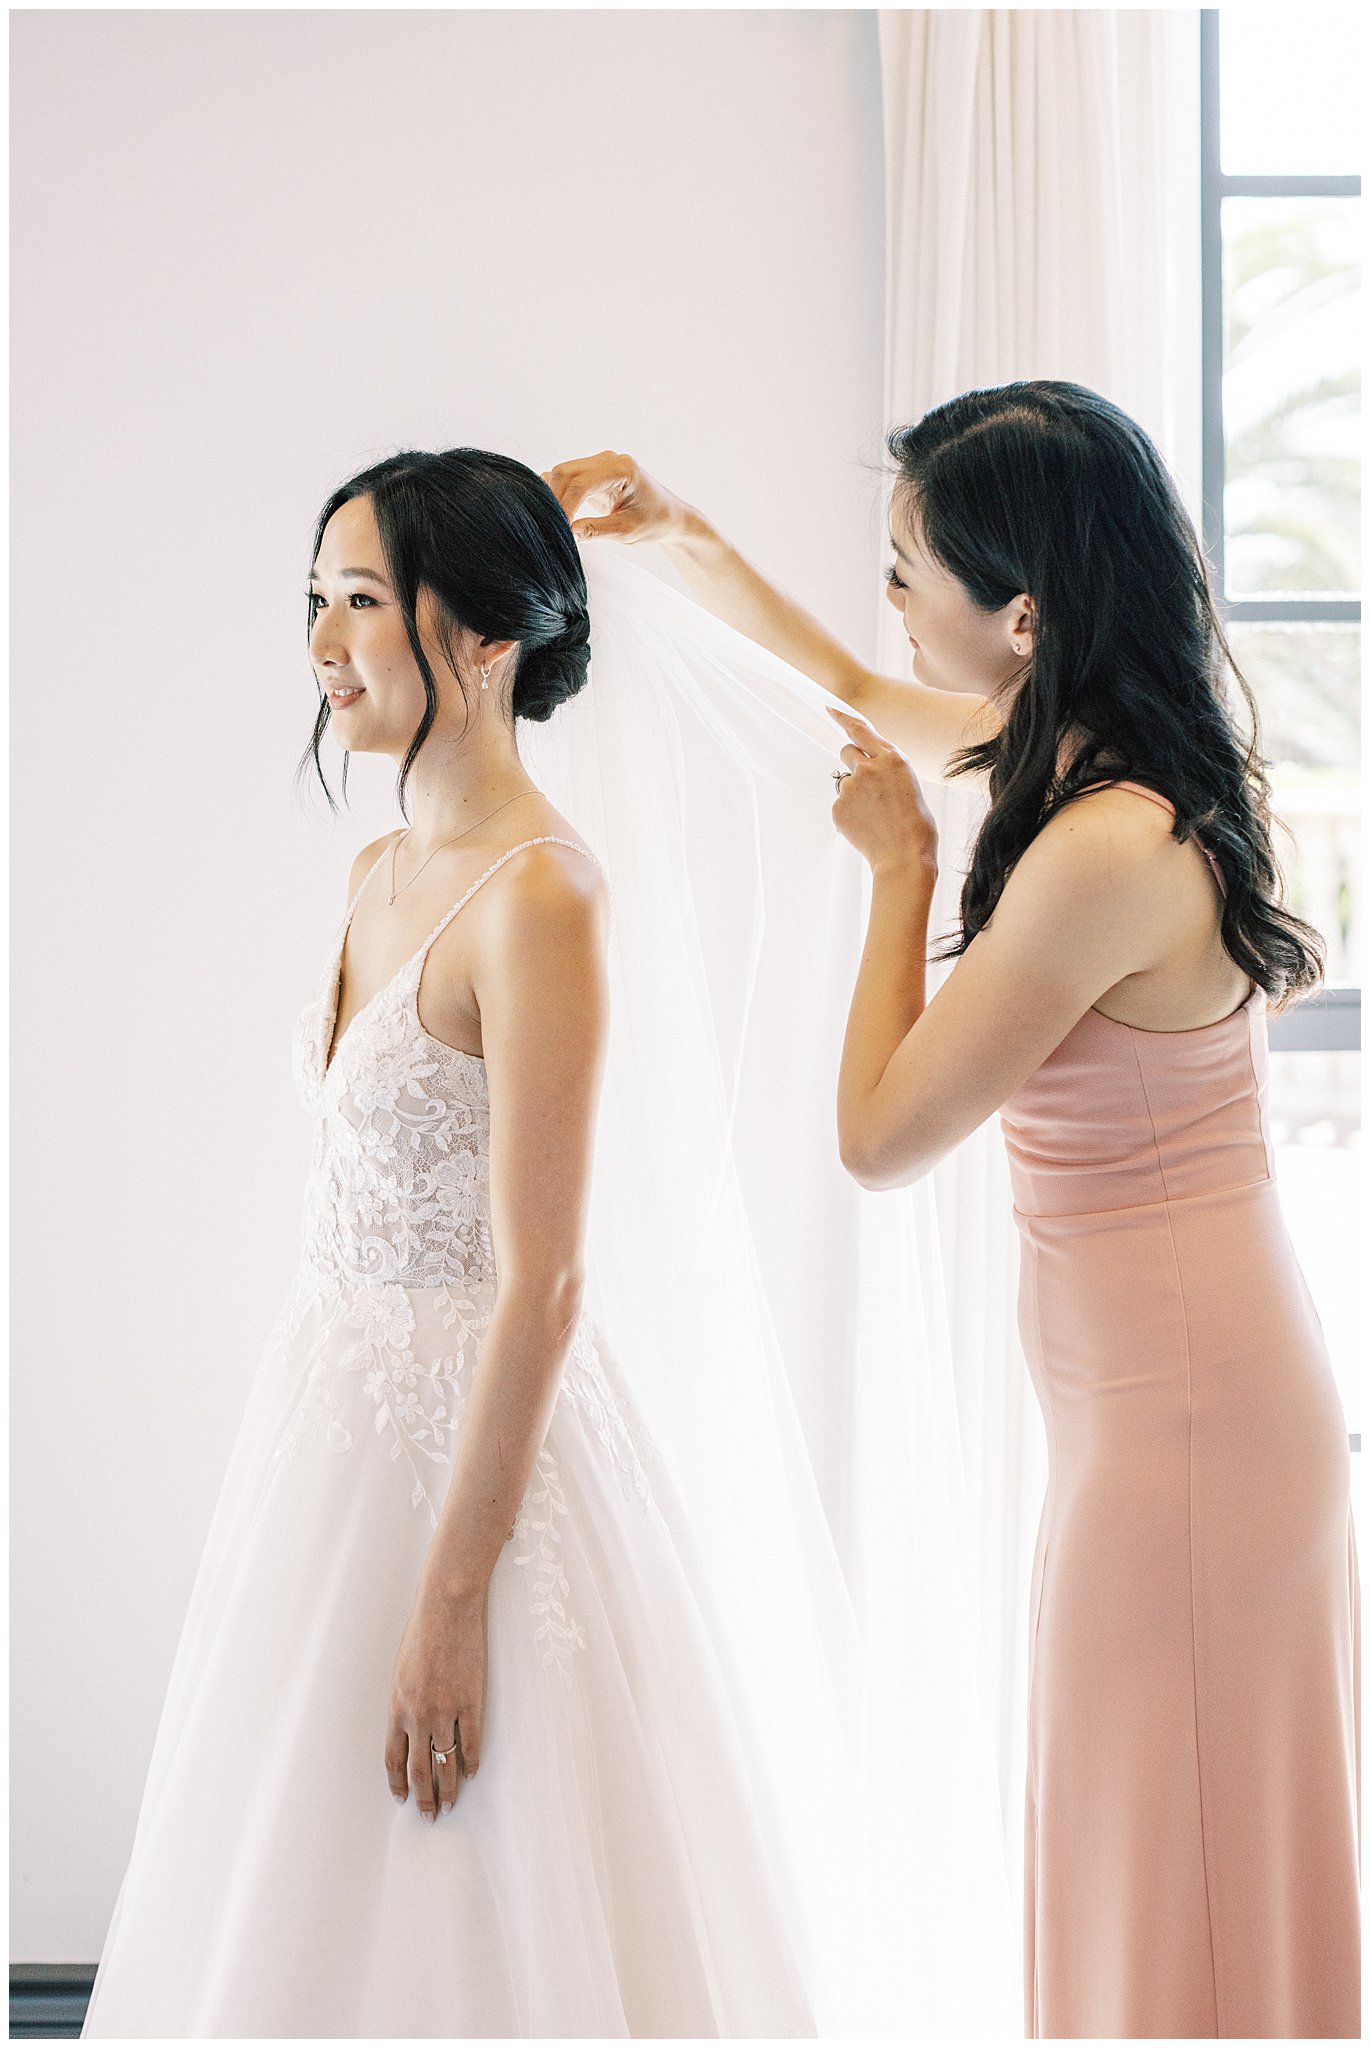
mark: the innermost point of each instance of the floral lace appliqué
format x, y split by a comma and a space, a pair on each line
416, 1402
537, 1531
397, 1275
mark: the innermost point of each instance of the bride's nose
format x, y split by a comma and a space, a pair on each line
325, 644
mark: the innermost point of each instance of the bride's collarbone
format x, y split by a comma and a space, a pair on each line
383, 938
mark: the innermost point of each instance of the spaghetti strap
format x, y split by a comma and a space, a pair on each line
1156, 798
420, 954
543, 839
1140, 787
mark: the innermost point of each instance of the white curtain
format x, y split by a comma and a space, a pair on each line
1042, 194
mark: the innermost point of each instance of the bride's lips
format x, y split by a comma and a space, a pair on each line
340, 699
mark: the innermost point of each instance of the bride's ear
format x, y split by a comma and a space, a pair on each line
484, 655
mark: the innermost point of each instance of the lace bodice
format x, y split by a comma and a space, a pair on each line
397, 1273
398, 1185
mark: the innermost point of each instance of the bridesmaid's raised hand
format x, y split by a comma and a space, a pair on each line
609, 495
880, 806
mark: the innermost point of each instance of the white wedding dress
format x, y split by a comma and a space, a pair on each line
737, 1776
612, 1868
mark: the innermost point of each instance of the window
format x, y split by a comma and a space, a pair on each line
1281, 115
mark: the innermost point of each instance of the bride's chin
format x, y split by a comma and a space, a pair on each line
352, 742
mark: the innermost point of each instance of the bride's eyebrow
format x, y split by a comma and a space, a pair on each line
368, 575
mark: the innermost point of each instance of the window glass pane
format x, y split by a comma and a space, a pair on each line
1305, 680
1291, 396
1314, 1110
1291, 81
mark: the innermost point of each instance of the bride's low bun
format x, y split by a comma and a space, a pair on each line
553, 670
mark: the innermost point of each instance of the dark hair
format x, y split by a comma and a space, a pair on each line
1048, 489
490, 540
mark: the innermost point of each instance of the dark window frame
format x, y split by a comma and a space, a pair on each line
1329, 1020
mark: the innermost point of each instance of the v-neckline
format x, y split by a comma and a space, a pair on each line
329, 1049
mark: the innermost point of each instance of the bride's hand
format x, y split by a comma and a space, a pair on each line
437, 1687
610, 495
880, 806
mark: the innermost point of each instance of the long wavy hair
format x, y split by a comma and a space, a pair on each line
1046, 488
495, 548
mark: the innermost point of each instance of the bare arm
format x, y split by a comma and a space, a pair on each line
612, 495
541, 987
1081, 910
540, 981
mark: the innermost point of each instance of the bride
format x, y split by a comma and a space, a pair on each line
677, 1691
454, 1743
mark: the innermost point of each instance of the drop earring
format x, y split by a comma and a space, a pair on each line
485, 678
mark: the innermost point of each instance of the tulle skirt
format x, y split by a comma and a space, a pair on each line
610, 1869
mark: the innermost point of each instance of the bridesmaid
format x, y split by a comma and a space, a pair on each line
1193, 1756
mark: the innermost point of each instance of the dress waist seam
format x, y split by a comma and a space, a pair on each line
1161, 1202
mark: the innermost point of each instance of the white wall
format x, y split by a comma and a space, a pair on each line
252, 251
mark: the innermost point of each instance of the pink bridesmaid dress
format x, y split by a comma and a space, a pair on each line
1192, 1848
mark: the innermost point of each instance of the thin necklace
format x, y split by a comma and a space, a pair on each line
394, 892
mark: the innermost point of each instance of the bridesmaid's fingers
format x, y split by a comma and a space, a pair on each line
860, 729
617, 525
571, 483
593, 485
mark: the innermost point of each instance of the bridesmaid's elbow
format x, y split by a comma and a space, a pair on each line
867, 1159
883, 1159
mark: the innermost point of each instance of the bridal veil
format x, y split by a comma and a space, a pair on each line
782, 1328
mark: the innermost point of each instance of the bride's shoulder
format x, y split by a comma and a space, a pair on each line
367, 858
554, 875
547, 910
543, 935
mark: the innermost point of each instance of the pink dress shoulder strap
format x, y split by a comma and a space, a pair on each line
1116, 783
1142, 790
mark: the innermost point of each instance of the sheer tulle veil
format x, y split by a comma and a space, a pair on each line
782, 1329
